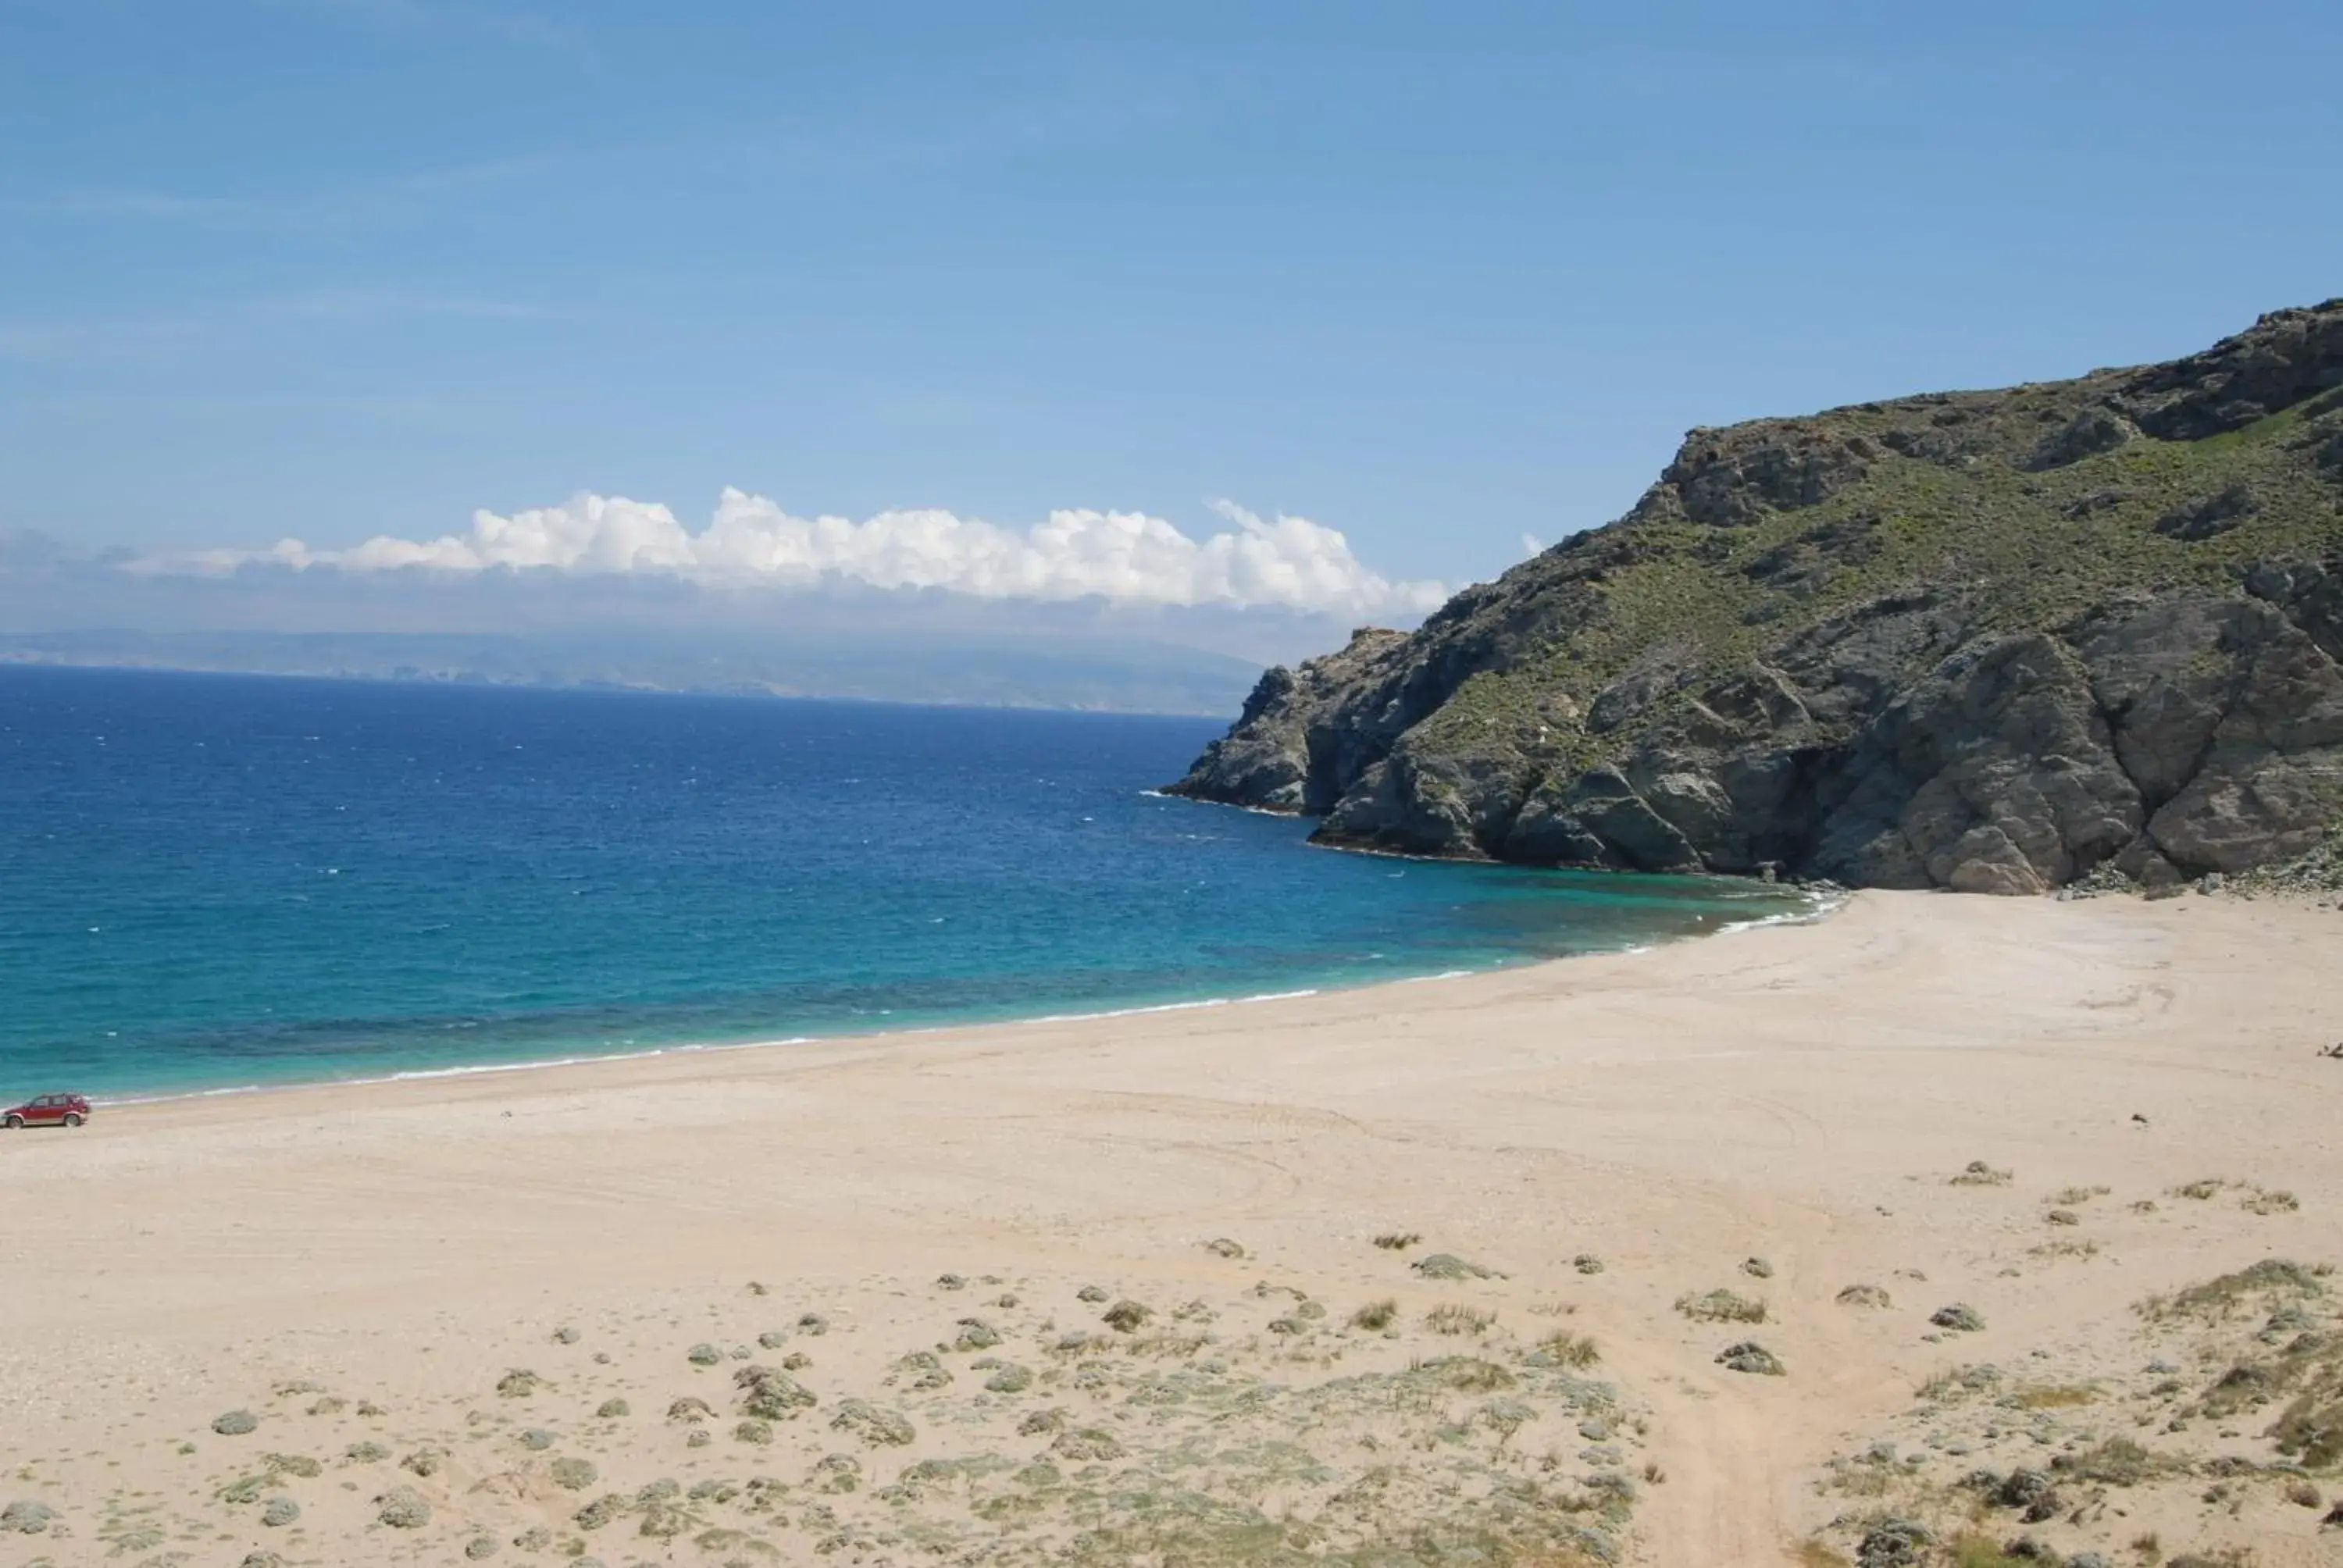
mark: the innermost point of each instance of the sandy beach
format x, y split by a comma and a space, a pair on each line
1112, 1290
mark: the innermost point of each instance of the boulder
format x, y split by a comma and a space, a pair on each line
1749, 1356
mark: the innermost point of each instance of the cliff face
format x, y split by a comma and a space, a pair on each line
1980, 640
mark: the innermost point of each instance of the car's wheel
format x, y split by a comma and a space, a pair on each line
16, 1121
72, 1118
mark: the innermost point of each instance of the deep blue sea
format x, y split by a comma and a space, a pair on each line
217, 881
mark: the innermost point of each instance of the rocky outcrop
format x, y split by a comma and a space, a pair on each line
1284, 753
1986, 642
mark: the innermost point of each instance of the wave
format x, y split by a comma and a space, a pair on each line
688, 1048
471, 1069
1283, 815
1822, 910
1172, 1007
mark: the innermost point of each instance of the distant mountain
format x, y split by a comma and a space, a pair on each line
1063, 671
1992, 641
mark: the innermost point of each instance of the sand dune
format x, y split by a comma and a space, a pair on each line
1111, 1291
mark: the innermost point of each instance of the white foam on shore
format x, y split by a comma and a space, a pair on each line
98, 1099
1165, 1006
1822, 910
1823, 907
1286, 814
474, 1069
421, 1073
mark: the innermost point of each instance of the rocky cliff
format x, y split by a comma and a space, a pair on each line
1991, 641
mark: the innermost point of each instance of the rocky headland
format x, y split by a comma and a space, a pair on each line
1992, 641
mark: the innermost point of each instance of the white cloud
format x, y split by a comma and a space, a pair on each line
1289, 563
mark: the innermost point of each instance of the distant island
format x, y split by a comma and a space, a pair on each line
1055, 673
1993, 641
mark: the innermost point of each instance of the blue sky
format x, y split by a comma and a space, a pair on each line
1437, 276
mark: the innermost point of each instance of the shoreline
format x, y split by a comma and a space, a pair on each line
1824, 905
2048, 1113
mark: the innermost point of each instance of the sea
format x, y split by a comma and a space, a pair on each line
212, 884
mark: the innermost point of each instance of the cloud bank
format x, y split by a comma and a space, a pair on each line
1288, 563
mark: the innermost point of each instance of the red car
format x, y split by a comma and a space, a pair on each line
48, 1110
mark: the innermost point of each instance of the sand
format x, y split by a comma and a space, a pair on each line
360, 1268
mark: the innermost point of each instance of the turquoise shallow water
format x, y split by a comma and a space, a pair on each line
211, 883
